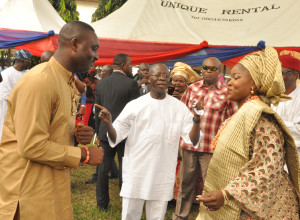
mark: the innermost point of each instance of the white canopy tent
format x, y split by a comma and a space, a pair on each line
32, 15
230, 22
160, 30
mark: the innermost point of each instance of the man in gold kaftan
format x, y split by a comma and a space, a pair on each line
37, 148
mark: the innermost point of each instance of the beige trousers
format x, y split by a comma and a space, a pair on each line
190, 165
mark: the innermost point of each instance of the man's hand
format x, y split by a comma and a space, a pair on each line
199, 104
96, 155
145, 80
83, 133
81, 87
198, 108
212, 200
81, 110
104, 114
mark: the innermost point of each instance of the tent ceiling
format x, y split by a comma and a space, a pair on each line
230, 22
33, 15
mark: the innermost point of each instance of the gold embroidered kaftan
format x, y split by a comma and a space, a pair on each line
256, 187
234, 152
37, 145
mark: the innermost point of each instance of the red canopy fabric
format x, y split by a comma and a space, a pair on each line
139, 51
39, 46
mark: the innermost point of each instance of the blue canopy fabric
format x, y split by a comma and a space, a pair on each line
13, 38
222, 53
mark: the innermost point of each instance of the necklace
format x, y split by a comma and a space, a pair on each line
216, 138
72, 88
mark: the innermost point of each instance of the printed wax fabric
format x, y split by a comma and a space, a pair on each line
232, 154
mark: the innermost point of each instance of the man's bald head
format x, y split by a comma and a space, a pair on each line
144, 65
46, 55
123, 62
214, 60
73, 29
158, 66
159, 80
143, 70
106, 70
211, 68
77, 47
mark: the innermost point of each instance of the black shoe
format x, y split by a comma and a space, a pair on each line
102, 209
91, 181
112, 177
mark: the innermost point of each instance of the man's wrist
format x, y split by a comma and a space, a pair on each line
87, 154
108, 124
196, 120
83, 154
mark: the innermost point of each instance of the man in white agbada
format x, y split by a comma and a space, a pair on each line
10, 77
289, 111
153, 125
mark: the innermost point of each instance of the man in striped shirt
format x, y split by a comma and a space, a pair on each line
216, 109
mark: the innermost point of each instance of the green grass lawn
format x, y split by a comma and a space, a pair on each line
84, 198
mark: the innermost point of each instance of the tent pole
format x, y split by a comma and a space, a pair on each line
8, 57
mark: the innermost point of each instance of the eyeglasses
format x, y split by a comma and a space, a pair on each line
160, 75
211, 68
286, 72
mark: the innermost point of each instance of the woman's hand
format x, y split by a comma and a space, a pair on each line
177, 95
212, 200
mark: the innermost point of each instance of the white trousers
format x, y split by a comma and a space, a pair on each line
132, 209
3, 110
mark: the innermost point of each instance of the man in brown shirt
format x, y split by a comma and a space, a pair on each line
37, 148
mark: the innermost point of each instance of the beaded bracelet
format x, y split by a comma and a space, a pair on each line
225, 196
87, 155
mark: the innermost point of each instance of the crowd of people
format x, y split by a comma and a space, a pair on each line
232, 148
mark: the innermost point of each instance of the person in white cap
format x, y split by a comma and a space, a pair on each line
289, 110
10, 77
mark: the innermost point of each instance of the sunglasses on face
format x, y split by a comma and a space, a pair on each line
211, 68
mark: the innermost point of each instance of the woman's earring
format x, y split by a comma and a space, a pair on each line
252, 91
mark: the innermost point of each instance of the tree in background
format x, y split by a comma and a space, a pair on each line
105, 7
67, 9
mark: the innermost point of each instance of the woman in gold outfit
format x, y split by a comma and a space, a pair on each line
182, 75
246, 178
